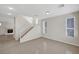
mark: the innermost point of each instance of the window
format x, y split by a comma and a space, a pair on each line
0, 24
44, 27
70, 26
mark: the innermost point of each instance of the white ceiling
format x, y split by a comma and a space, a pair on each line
37, 9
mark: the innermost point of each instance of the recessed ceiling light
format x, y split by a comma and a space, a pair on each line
47, 12
10, 8
9, 13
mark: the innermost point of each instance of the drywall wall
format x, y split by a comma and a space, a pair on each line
56, 29
7, 23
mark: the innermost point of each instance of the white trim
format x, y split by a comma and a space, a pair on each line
70, 28
44, 23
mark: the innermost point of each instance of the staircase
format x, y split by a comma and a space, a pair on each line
26, 29
34, 33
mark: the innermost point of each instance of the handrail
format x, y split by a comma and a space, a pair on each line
24, 32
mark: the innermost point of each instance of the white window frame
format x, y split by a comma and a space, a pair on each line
44, 27
70, 28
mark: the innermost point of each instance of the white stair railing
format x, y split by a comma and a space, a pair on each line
28, 29
25, 31
22, 26
33, 33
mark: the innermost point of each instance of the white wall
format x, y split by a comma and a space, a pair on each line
56, 29
7, 23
